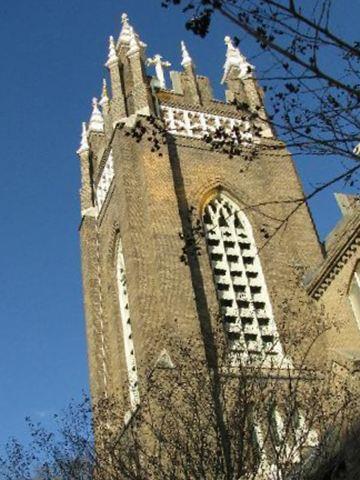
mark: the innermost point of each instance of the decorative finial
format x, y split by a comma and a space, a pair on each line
125, 34
235, 59
96, 123
84, 146
186, 59
159, 68
128, 33
112, 58
104, 94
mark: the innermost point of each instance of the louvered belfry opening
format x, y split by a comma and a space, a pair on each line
240, 285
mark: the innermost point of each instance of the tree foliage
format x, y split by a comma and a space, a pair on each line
198, 420
311, 75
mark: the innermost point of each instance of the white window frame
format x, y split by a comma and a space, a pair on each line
237, 276
129, 349
354, 294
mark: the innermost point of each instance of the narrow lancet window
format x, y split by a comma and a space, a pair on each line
354, 294
127, 330
243, 297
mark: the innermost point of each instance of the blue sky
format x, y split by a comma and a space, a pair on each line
53, 52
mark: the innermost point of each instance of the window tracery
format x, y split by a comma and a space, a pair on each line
244, 301
354, 294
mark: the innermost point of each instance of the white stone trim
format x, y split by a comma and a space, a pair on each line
105, 181
127, 330
189, 123
266, 470
241, 289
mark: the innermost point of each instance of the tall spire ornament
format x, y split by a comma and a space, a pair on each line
96, 123
126, 30
84, 145
112, 57
104, 100
186, 59
234, 59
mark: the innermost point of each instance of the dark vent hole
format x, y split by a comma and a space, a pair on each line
225, 302
248, 260
213, 242
229, 244
249, 337
219, 271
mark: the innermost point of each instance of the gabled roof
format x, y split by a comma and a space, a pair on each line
340, 245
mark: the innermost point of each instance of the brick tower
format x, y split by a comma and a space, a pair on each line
138, 202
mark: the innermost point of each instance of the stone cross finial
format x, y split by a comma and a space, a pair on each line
159, 68
235, 59
96, 123
186, 59
112, 58
84, 145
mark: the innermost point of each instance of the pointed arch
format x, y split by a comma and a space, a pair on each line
124, 307
354, 292
240, 285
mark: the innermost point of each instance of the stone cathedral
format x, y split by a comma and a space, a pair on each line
137, 207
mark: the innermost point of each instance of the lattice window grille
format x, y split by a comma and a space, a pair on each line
105, 181
127, 330
244, 301
189, 123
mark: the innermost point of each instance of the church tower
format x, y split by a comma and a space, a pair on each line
186, 205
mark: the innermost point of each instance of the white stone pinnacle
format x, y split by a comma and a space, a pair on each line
186, 59
134, 44
84, 145
104, 94
125, 34
112, 58
96, 123
235, 59
159, 68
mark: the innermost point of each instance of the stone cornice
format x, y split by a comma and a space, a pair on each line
217, 107
338, 255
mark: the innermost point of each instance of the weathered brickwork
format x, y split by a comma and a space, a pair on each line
147, 204
330, 284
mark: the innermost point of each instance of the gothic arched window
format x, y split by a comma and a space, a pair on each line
354, 293
126, 328
240, 285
